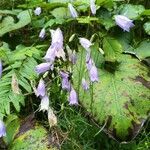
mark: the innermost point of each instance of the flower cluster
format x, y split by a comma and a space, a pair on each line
1, 68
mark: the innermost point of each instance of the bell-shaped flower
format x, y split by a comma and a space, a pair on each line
72, 10
1, 68
44, 103
41, 91
65, 83
50, 54
71, 55
57, 38
85, 84
37, 11
42, 33
89, 63
124, 22
85, 43
73, 98
2, 129
93, 7
56, 48
93, 73
42, 68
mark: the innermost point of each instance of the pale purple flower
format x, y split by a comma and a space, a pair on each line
44, 103
42, 68
1, 68
72, 10
2, 129
71, 55
85, 43
64, 74
93, 73
65, 83
93, 7
37, 11
85, 84
42, 33
89, 63
57, 38
56, 48
50, 54
41, 88
73, 98
124, 22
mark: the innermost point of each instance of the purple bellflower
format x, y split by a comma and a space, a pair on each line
124, 22
93, 73
56, 48
72, 10
42, 33
65, 83
37, 11
2, 129
1, 68
93, 7
85, 85
71, 55
50, 54
85, 43
73, 98
44, 103
42, 68
41, 88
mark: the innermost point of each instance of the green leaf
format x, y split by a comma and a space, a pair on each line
143, 49
132, 11
60, 13
12, 127
87, 20
120, 100
112, 48
8, 23
35, 138
147, 27
106, 3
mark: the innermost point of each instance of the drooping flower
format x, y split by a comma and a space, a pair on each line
72, 10
124, 22
37, 11
41, 91
57, 38
42, 33
1, 68
93, 73
2, 129
44, 103
50, 54
85, 43
65, 83
93, 7
56, 48
85, 85
73, 98
89, 63
42, 68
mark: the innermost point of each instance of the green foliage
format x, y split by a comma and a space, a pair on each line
132, 11
8, 23
147, 27
112, 49
21, 63
120, 99
33, 139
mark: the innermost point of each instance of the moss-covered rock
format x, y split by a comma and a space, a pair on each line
34, 139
